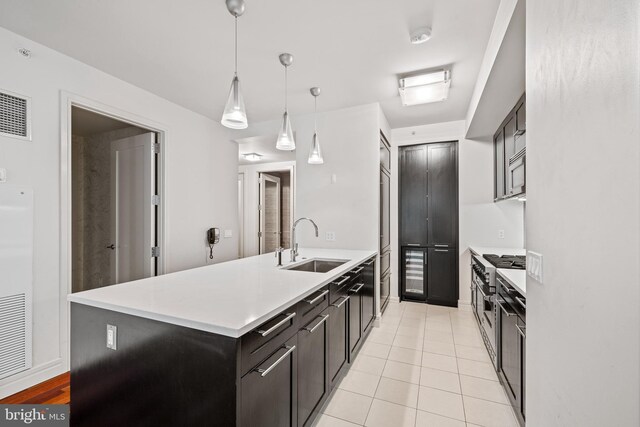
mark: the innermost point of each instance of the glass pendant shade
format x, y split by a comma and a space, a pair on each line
235, 115
315, 155
285, 136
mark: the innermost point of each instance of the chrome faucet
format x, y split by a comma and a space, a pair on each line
294, 244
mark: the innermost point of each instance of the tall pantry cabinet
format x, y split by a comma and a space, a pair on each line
428, 223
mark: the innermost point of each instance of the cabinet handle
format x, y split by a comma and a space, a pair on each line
441, 250
412, 244
277, 325
521, 302
324, 319
370, 262
313, 301
521, 331
504, 310
342, 303
441, 246
265, 372
342, 281
357, 270
354, 290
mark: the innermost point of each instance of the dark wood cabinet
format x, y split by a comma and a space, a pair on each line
384, 245
428, 216
509, 144
413, 201
385, 212
367, 294
338, 336
270, 391
385, 289
442, 211
441, 274
313, 363
355, 317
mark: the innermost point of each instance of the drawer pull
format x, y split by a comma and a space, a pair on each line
277, 325
324, 319
357, 270
504, 310
342, 281
441, 246
313, 301
370, 262
521, 331
356, 288
341, 304
521, 302
265, 372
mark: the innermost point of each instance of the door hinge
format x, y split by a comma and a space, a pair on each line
155, 251
155, 148
155, 200
259, 207
259, 233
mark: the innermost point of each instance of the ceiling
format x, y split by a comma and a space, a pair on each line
266, 147
354, 50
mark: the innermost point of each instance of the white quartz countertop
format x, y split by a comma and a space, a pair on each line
516, 278
229, 298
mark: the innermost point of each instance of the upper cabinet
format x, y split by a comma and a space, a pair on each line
510, 154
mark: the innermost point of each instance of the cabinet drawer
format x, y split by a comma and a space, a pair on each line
258, 344
315, 303
338, 287
385, 262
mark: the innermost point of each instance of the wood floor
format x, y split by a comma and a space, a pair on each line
51, 392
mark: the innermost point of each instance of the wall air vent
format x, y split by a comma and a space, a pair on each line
15, 115
14, 333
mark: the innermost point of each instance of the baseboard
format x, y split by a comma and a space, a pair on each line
394, 299
31, 377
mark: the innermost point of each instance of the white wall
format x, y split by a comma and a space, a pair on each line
583, 212
201, 173
480, 217
251, 200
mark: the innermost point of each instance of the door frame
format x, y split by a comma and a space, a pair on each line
67, 101
261, 196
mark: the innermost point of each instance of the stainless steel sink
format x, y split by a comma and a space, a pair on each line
317, 265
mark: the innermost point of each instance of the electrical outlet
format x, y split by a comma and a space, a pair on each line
534, 266
112, 337
330, 236
500, 234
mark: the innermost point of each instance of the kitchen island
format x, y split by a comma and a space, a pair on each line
241, 343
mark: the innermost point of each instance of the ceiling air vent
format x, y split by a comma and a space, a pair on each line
15, 115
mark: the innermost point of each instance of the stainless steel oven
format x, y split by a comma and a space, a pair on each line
484, 303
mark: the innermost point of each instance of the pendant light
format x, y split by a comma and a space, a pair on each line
235, 115
315, 155
285, 136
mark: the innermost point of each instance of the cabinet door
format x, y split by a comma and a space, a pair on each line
413, 273
338, 345
355, 318
509, 138
413, 196
368, 294
313, 364
443, 197
521, 127
385, 210
523, 367
269, 391
510, 350
499, 169
442, 284
385, 290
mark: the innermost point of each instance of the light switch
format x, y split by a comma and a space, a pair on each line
3, 175
534, 266
500, 234
228, 233
112, 337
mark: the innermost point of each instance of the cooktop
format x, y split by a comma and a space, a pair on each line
514, 262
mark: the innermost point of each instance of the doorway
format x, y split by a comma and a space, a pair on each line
274, 210
114, 201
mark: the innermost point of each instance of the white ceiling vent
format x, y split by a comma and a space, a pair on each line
15, 115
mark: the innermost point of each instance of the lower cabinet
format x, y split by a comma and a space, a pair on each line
313, 360
270, 391
368, 294
355, 317
338, 337
442, 274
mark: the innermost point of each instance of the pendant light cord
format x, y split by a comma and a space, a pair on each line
315, 114
285, 88
236, 47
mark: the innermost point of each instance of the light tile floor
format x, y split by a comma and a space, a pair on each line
423, 366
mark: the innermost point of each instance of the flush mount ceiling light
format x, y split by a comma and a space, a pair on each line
425, 88
252, 157
315, 155
235, 116
420, 35
285, 140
